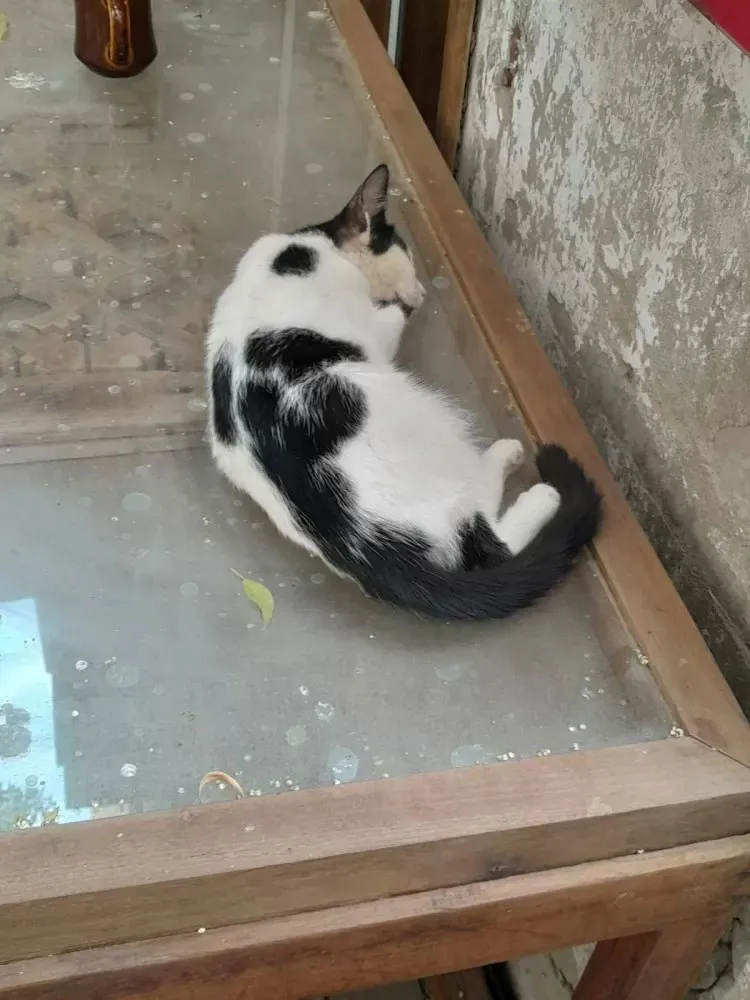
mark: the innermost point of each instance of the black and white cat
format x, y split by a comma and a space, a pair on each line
359, 462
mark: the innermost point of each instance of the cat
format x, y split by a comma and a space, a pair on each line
359, 462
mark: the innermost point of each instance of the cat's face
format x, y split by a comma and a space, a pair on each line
362, 233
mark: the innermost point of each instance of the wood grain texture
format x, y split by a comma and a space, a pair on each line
379, 12
455, 70
680, 661
424, 934
661, 965
423, 36
56, 409
116, 880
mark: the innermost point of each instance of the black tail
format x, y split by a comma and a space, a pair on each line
499, 590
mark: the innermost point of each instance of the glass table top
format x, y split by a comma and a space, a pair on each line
131, 662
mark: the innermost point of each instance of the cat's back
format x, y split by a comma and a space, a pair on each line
287, 281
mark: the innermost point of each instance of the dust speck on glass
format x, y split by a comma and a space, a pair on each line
131, 661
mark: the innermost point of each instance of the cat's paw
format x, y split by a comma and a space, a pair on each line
545, 500
506, 454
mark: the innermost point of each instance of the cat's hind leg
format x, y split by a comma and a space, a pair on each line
498, 462
526, 517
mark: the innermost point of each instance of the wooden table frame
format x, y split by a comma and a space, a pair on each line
645, 848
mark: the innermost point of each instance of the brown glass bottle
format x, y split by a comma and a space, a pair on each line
115, 37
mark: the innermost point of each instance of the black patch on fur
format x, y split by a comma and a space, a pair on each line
339, 229
480, 546
293, 442
336, 229
296, 260
221, 399
383, 235
298, 352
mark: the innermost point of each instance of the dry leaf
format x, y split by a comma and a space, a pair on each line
212, 776
50, 816
3, 26
259, 595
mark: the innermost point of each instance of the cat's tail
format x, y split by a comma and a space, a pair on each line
499, 590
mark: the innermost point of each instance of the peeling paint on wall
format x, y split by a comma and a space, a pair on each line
613, 180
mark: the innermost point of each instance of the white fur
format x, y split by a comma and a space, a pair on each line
415, 464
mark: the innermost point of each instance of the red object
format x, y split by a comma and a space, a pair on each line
732, 16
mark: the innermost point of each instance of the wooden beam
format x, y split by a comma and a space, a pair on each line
686, 673
379, 12
123, 879
455, 70
424, 934
661, 965
423, 36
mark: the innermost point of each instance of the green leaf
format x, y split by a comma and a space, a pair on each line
259, 595
3, 26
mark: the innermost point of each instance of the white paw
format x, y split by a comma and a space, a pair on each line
506, 454
546, 500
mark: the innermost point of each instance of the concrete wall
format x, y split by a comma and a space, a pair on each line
606, 153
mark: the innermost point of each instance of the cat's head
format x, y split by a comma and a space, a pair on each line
362, 233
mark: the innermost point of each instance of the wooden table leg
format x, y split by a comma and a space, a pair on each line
661, 965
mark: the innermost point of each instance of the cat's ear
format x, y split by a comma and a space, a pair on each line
373, 194
369, 199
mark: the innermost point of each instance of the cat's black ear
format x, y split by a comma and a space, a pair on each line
354, 220
374, 191
369, 199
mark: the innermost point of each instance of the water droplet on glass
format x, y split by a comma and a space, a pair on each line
304, 690
121, 675
325, 711
114, 390
196, 137
137, 503
189, 589
187, 96
440, 282
313, 168
197, 405
82, 664
466, 756
63, 266
296, 736
128, 770
343, 764
206, 88
318, 578
449, 671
